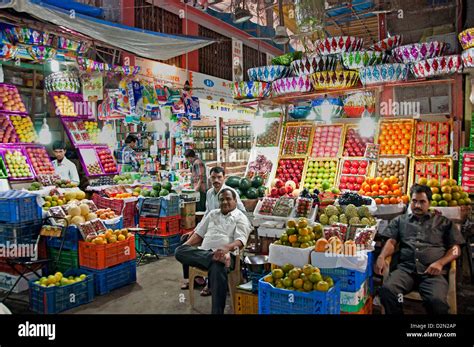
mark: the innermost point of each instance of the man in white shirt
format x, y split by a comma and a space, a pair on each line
62, 165
217, 176
219, 233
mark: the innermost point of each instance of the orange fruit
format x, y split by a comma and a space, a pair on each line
395, 186
379, 180
393, 200
375, 187
389, 192
405, 199
386, 201
378, 201
408, 136
382, 192
385, 187
397, 192
393, 179
405, 151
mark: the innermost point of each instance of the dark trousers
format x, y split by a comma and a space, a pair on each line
200, 258
201, 205
433, 290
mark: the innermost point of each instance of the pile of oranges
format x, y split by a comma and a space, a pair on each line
395, 138
385, 190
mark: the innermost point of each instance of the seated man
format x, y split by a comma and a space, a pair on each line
220, 232
428, 243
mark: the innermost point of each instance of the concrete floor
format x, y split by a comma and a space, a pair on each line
157, 291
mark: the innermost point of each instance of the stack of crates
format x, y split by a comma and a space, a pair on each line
20, 224
161, 217
112, 265
68, 258
356, 286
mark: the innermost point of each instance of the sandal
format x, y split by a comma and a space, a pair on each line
206, 291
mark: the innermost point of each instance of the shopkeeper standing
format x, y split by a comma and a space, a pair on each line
62, 165
128, 155
198, 178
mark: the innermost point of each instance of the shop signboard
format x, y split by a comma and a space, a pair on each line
237, 60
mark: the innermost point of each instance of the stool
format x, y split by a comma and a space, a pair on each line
233, 280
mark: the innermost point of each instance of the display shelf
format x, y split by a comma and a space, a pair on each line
439, 175
341, 139
381, 136
306, 167
299, 126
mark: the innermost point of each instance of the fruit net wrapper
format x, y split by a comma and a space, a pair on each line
364, 238
283, 207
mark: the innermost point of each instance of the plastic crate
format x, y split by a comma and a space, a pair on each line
61, 298
112, 278
255, 277
245, 303
20, 233
366, 309
17, 206
273, 300
160, 207
68, 260
104, 256
351, 280
71, 239
163, 241
163, 226
112, 224
115, 205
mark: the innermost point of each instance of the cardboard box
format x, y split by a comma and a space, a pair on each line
188, 222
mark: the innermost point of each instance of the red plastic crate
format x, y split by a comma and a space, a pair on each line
115, 205
104, 256
163, 226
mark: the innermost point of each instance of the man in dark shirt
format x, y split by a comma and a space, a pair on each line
428, 243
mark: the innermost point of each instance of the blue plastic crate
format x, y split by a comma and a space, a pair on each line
114, 226
71, 239
161, 250
255, 277
18, 206
59, 299
112, 278
20, 233
273, 300
163, 241
351, 280
170, 206
160, 207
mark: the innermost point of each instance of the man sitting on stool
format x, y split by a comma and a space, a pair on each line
428, 243
219, 233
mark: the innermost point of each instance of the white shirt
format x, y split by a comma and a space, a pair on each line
212, 199
218, 230
66, 170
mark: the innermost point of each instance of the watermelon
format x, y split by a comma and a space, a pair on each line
252, 193
164, 192
157, 186
146, 193
237, 190
167, 186
245, 184
262, 190
154, 193
257, 181
233, 181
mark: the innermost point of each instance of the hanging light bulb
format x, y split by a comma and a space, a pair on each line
367, 124
54, 66
45, 136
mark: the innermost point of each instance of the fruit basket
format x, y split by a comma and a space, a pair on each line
309, 65
334, 79
11, 100
296, 140
76, 131
430, 168
352, 173
327, 141
250, 90
17, 163
384, 73
40, 160
90, 161
416, 52
283, 86
432, 138
396, 137
268, 73
106, 160
354, 144
394, 166
466, 38
24, 128
359, 59
338, 44
320, 173
387, 44
355, 104
437, 66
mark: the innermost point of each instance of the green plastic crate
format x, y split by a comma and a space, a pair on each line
68, 260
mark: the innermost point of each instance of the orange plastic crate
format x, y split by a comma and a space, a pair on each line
245, 303
104, 256
367, 309
163, 226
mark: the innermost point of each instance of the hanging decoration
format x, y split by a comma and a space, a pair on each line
28, 36
41, 53
8, 51
89, 65
80, 47
191, 106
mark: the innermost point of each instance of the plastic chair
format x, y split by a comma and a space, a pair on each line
415, 295
233, 280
